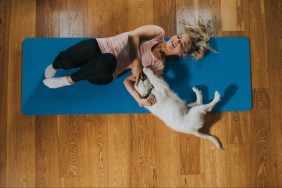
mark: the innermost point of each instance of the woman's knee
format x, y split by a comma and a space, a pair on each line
63, 61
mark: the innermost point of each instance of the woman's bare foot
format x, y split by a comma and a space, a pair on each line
70, 81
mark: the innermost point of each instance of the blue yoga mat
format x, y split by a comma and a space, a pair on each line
227, 71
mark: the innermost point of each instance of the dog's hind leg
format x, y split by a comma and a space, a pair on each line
199, 96
208, 107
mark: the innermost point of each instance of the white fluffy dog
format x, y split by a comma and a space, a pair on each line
172, 110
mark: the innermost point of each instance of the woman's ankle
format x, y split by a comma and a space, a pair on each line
69, 80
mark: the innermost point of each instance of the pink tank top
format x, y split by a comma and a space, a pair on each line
119, 47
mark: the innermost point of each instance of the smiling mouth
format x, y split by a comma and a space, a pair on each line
173, 44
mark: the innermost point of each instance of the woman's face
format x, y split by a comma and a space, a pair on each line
178, 45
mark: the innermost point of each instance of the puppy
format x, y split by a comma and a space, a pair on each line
172, 110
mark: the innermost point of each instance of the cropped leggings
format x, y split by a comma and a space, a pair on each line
95, 67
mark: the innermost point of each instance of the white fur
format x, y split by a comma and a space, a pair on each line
173, 111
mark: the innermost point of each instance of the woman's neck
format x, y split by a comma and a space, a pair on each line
158, 50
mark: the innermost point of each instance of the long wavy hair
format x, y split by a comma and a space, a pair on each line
200, 35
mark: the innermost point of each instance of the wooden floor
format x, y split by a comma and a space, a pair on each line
139, 150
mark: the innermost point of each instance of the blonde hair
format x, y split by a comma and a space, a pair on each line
200, 35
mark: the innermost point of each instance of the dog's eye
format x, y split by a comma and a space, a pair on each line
143, 77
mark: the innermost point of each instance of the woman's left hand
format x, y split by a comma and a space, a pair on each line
149, 101
137, 70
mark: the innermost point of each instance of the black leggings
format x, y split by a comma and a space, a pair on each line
95, 67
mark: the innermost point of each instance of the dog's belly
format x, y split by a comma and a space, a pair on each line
170, 111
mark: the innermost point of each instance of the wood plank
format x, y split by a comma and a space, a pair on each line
71, 146
233, 34
108, 18
276, 129
210, 167
48, 18
239, 128
273, 12
46, 130
231, 11
20, 129
92, 19
211, 10
195, 180
71, 127
119, 138
96, 150
46, 152
140, 13
144, 151
190, 149
168, 154
71, 18
100, 18
239, 165
4, 45
118, 9
72, 182
214, 162
165, 15
219, 120
255, 29
262, 172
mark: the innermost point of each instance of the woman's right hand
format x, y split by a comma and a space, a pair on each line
149, 101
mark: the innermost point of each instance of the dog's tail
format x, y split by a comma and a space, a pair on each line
209, 137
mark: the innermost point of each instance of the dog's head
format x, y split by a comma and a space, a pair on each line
144, 87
